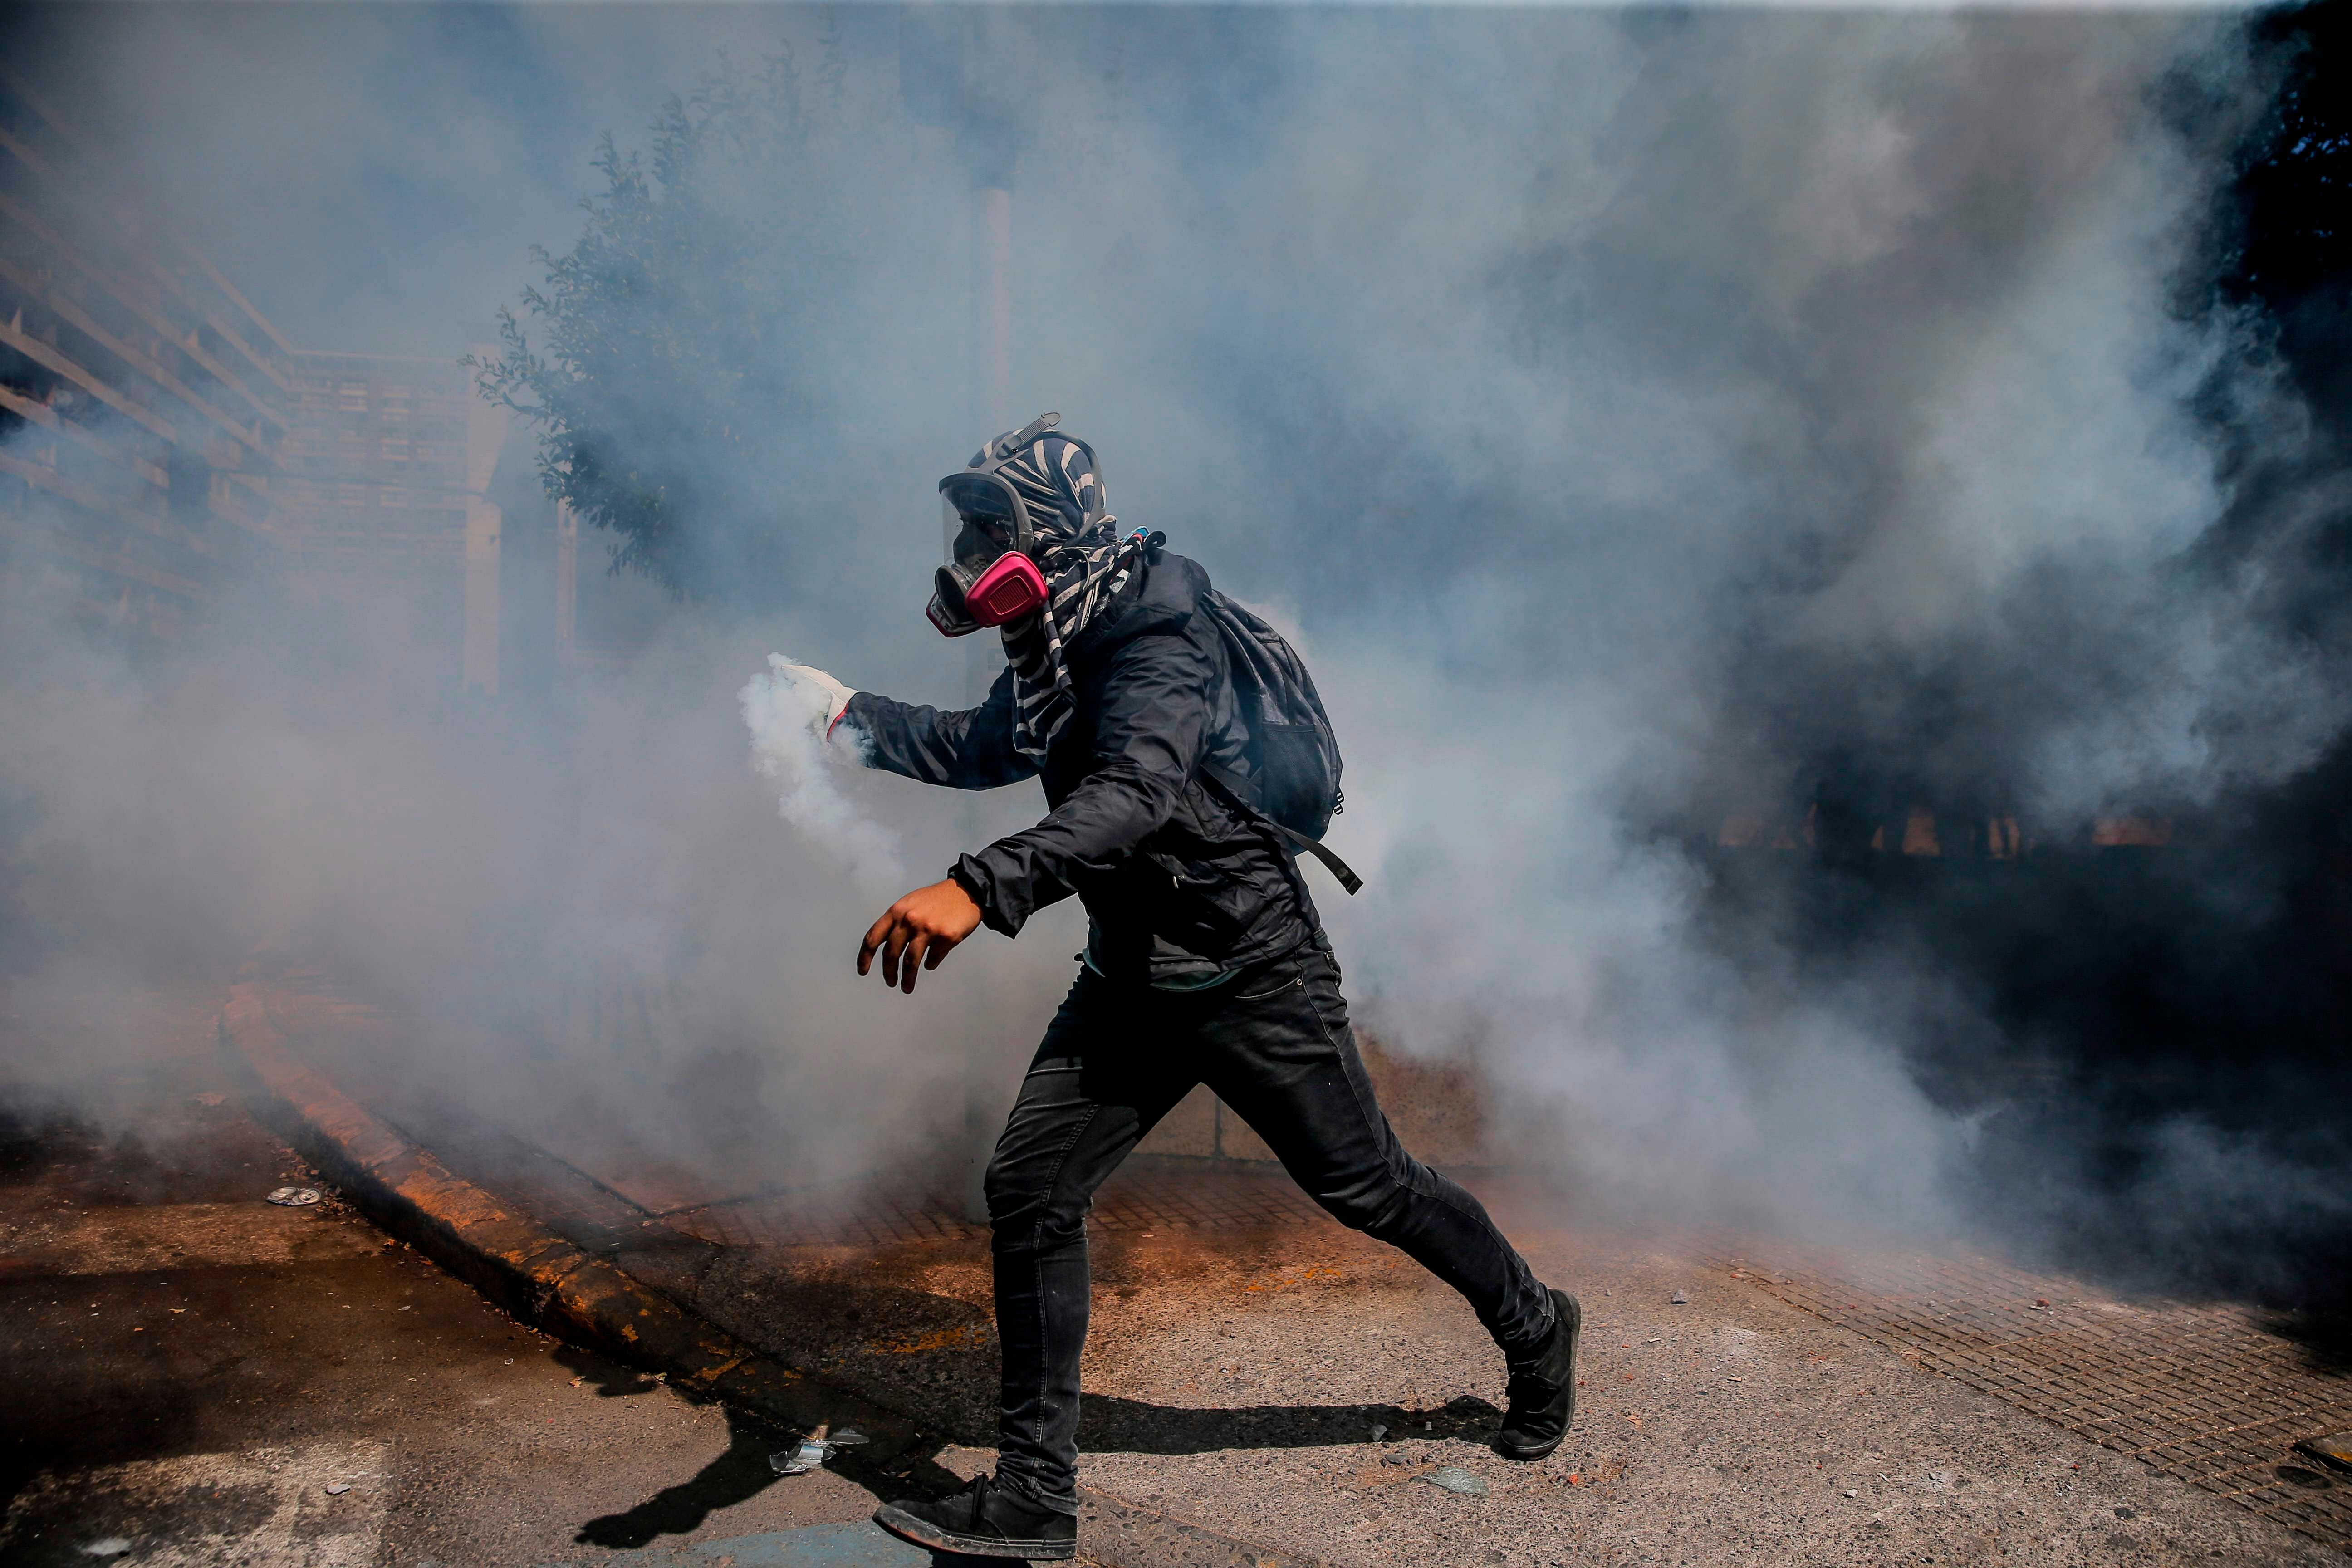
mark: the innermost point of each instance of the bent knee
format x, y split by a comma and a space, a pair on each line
1021, 1217
1374, 1206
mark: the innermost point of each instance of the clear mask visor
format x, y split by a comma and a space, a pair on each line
977, 542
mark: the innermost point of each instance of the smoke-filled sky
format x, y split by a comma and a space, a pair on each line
1630, 410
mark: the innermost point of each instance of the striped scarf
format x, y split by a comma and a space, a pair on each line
1086, 564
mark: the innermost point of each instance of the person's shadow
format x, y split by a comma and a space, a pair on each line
743, 1471
1113, 1424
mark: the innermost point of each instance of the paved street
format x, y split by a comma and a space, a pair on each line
1235, 1376
193, 1376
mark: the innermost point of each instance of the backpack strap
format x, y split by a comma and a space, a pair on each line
1216, 783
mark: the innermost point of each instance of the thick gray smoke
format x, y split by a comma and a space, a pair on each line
1625, 407
791, 752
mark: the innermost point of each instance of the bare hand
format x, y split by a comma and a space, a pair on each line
923, 927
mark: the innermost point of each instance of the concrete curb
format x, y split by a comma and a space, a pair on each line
514, 1259
534, 1273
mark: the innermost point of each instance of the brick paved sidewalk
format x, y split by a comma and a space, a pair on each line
1796, 1407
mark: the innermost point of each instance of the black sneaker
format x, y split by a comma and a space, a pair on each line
982, 1521
1543, 1392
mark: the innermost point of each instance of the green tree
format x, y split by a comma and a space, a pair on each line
2287, 218
657, 355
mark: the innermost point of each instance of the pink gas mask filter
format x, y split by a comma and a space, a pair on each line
1007, 589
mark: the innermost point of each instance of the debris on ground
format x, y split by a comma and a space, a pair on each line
337, 1489
1454, 1478
1678, 1300
294, 1197
105, 1546
800, 1460
1378, 1432
811, 1451
211, 1098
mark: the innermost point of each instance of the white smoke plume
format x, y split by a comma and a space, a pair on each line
782, 712
1630, 407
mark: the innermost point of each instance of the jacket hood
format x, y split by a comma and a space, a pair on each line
1167, 590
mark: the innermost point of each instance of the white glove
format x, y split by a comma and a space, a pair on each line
825, 698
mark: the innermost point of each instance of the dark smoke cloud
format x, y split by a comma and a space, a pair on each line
1644, 417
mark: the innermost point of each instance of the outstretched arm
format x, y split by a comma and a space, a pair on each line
969, 748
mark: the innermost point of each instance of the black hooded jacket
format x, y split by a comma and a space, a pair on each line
1178, 885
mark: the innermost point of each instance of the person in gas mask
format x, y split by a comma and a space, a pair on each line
1206, 960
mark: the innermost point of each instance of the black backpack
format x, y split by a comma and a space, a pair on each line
1294, 788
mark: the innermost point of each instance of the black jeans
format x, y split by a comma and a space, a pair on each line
1273, 1044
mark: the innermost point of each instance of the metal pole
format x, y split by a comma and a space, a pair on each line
995, 298
567, 581
485, 437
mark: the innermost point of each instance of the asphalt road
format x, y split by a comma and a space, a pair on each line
191, 1375
1306, 1389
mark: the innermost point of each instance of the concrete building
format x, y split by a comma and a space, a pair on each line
386, 468
142, 399
160, 438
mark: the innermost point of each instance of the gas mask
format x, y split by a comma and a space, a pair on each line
988, 581
992, 577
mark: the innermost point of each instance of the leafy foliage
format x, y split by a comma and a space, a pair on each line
660, 347
2295, 175
2291, 203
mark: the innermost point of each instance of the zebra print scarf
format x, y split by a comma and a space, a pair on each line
1085, 565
